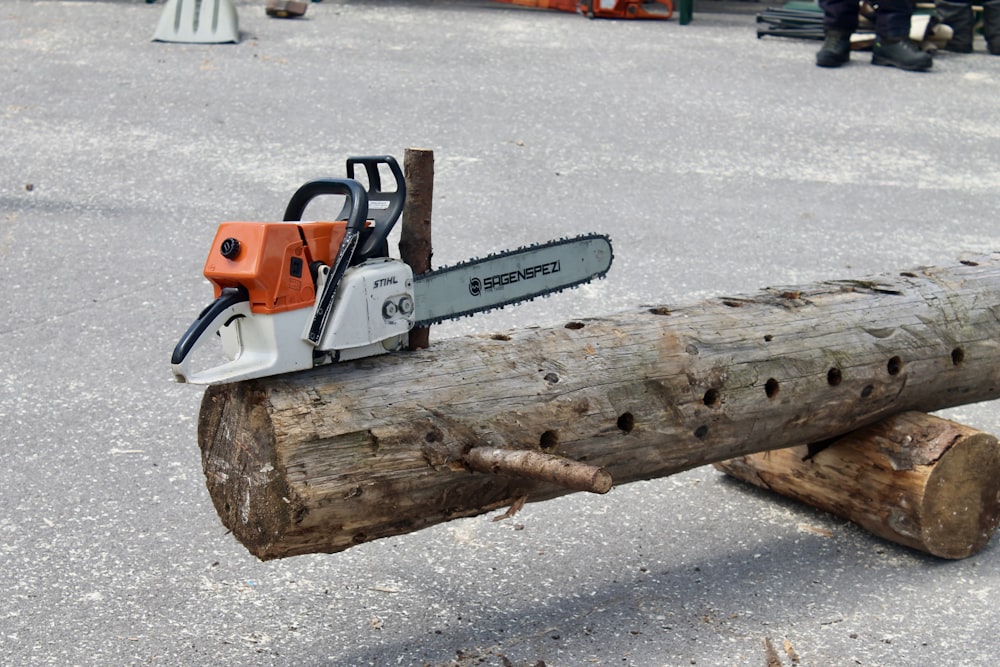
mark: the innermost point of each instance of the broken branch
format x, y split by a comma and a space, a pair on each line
569, 474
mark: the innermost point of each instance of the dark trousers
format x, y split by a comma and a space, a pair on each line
892, 17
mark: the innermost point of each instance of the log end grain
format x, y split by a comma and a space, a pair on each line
961, 505
247, 488
285, 487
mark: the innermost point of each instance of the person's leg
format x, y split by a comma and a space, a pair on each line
991, 25
893, 46
840, 20
840, 15
958, 15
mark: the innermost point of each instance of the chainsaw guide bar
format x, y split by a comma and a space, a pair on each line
483, 284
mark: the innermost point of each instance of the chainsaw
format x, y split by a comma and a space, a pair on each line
292, 295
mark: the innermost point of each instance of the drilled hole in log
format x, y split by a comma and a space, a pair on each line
574, 325
660, 310
894, 365
908, 274
834, 377
711, 398
957, 356
701, 432
549, 440
626, 422
500, 337
551, 378
968, 262
867, 391
768, 338
771, 388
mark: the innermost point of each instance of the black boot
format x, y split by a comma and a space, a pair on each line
991, 25
958, 15
901, 53
836, 49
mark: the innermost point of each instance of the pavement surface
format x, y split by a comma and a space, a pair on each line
718, 162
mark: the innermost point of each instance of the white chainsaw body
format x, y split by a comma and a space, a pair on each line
373, 310
373, 313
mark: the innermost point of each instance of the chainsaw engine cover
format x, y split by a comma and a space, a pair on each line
271, 260
374, 303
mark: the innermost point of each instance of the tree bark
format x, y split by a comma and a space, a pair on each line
415, 247
342, 454
915, 479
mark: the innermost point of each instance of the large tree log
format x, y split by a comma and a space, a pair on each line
321, 460
912, 478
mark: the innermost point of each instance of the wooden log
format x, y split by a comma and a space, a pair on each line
324, 459
913, 478
415, 247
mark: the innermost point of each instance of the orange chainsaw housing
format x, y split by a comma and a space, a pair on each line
271, 260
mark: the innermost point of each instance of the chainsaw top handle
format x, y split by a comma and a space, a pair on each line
382, 207
355, 209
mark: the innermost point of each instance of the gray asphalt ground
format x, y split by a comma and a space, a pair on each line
719, 164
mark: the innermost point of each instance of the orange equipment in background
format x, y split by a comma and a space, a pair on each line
605, 9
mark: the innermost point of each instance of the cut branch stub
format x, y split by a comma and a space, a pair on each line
569, 474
